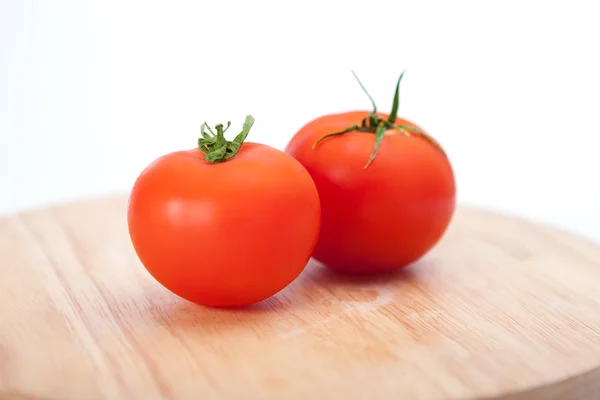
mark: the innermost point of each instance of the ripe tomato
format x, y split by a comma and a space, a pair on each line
225, 224
387, 189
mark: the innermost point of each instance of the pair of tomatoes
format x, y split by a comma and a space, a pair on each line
230, 223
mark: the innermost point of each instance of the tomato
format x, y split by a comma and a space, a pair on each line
387, 188
227, 224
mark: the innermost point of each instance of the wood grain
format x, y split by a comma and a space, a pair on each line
501, 307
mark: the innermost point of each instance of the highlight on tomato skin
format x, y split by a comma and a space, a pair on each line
387, 188
225, 224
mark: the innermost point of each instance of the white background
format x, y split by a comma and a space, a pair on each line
92, 91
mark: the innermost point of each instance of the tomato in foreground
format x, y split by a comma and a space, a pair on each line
227, 224
387, 188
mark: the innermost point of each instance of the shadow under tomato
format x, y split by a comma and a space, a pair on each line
192, 310
328, 276
322, 285
186, 318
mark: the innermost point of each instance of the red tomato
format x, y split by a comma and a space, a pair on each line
225, 224
380, 215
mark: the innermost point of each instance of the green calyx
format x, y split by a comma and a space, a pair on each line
374, 123
214, 145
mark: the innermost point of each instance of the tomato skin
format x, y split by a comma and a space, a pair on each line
383, 217
227, 234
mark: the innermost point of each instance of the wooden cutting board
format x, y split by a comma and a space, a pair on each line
501, 307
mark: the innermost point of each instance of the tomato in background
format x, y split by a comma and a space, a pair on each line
226, 224
387, 188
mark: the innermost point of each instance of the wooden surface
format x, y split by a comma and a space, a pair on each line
500, 307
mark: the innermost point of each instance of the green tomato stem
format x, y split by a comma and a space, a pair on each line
374, 123
215, 147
